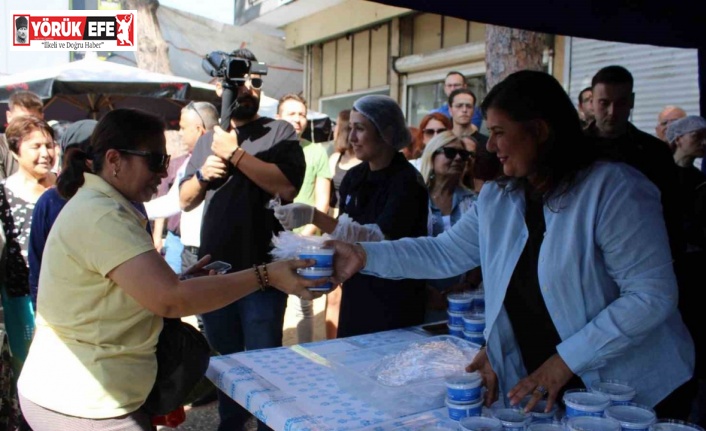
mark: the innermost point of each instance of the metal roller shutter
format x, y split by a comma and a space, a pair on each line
663, 76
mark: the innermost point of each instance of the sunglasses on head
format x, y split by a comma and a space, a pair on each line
192, 107
451, 153
432, 132
156, 162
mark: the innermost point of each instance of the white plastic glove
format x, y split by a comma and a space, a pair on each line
294, 215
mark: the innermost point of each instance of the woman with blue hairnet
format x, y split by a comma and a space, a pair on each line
382, 198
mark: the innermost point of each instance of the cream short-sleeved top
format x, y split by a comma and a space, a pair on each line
93, 353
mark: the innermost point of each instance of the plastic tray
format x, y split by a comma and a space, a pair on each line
351, 372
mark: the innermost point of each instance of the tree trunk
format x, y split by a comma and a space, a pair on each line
509, 50
152, 51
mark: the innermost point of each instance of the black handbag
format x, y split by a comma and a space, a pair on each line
182, 359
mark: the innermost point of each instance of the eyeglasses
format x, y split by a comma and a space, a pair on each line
193, 108
451, 153
255, 83
462, 105
156, 162
432, 132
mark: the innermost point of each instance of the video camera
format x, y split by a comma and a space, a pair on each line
233, 71
222, 65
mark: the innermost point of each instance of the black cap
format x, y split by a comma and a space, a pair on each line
21, 22
78, 134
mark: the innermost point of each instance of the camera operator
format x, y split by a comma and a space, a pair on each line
237, 172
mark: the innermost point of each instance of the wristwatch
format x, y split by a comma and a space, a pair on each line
200, 177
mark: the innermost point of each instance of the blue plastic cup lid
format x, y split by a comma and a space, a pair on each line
538, 410
480, 423
454, 313
592, 423
546, 426
581, 399
464, 406
511, 417
458, 328
616, 390
459, 297
674, 425
474, 317
315, 249
463, 381
632, 415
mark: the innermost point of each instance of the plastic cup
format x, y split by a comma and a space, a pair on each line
631, 416
538, 414
512, 419
592, 423
322, 255
480, 423
618, 391
580, 402
456, 331
316, 273
455, 318
546, 426
474, 322
463, 388
474, 337
460, 302
674, 425
457, 411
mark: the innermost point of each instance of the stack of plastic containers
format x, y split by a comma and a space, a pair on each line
466, 313
463, 395
322, 268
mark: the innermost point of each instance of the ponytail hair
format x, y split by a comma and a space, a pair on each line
71, 177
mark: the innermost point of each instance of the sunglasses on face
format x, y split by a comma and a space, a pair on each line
192, 107
156, 162
432, 132
255, 83
451, 153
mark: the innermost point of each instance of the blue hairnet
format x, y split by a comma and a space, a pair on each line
387, 117
683, 126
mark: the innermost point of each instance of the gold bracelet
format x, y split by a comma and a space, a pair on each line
237, 159
266, 281
258, 276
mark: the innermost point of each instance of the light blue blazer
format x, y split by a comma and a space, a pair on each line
605, 271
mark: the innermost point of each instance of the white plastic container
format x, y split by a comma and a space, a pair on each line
474, 337
512, 419
457, 411
351, 371
455, 318
538, 414
618, 391
474, 322
580, 402
322, 255
674, 425
460, 302
455, 331
546, 426
592, 423
463, 388
316, 273
480, 423
631, 416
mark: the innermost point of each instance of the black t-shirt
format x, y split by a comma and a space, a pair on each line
652, 157
237, 227
395, 199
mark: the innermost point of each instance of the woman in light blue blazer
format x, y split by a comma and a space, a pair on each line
578, 275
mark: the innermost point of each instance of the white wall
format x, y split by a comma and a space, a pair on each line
13, 61
218, 10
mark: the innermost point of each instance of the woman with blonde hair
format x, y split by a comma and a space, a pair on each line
443, 163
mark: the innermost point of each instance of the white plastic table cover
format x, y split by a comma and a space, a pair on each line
289, 388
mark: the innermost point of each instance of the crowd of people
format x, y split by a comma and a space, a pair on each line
547, 214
